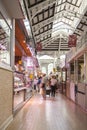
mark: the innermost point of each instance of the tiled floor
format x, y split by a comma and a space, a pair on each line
49, 114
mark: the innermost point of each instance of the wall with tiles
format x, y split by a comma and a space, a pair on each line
6, 97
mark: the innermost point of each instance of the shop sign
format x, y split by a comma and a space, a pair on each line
38, 46
72, 40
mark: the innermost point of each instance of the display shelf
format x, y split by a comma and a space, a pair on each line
19, 89
18, 79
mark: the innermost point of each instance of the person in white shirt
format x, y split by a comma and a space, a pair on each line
53, 85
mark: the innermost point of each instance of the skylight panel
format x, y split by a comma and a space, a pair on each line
79, 2
69, 0
40, 17
51, 12
59, 2
46, 14
73, 1
69, 17
83, 6
58, 9
62, 7
64, 0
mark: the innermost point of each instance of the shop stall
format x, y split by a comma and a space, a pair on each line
63, 75
22, 84
6, 84
77, 74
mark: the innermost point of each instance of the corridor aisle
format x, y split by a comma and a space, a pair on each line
58, 114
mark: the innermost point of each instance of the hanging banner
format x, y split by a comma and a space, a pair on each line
72, 40
38, 46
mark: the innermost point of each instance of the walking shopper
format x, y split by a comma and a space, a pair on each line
53, 85
43, 86
35, 84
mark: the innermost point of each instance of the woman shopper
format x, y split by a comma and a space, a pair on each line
53, 85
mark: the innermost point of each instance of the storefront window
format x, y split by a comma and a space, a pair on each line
72, 71
44, 70
50, 68
4, 41
81, 69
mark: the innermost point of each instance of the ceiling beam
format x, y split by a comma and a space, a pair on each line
56, 49
49, 42
44, 33
51, 39
39, 25
45, 22
85, 24
72, 4
57, 5
44, 5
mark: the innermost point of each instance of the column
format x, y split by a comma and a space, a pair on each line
13, 44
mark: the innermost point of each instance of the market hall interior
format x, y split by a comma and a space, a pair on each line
40, 37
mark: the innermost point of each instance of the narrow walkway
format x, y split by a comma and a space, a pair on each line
58, 114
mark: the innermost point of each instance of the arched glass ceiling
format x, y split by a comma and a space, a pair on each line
68, 14
52, 21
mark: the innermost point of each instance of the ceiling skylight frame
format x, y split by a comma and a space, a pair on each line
70, 13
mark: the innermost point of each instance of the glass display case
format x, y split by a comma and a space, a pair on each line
81, 76
18, 79
19, 89
22, 90
72, 71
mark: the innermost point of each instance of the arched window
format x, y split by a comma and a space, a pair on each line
50, 68
44, 70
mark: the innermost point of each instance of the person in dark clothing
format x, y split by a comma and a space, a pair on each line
39, 82
53, 85
35, 83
